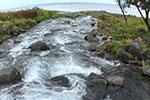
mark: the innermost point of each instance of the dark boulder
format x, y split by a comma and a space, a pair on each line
133, 49
105, 38
10, 75
39, 46
124, 56
96, 89
120, 83
58, 81
93, 23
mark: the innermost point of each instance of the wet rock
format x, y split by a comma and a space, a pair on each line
105, 38
91, 37
124, 56
39, 46
11, 75
58, 81
146, 70
96, 89
115, 80
133, 49
93, 47
93, 23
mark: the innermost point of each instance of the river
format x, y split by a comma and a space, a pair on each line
68, 57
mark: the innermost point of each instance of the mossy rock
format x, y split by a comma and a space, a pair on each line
15, 75
106, 46
91, 37
10, 75
124, 56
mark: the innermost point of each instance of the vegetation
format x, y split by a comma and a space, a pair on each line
114, 25
23, 20
116, 45
140, 5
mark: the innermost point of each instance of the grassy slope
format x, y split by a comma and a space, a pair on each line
122, 33
24, 19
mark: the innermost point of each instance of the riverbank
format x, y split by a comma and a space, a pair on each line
14, 23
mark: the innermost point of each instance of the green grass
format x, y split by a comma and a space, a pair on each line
122, 33
4, 37
115, 26
23, 19
116, 46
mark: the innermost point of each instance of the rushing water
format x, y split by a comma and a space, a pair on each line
68, 56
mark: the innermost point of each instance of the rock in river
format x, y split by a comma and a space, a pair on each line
91, 37
39, 46
58, 81
10, 75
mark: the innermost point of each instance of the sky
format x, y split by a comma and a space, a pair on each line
5, 4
